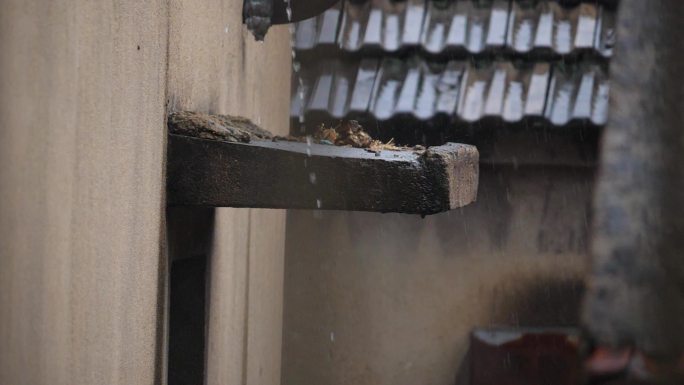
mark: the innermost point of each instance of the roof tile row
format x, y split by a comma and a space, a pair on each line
383, 89
544, 27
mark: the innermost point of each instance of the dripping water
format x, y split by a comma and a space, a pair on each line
296, 69
296, 65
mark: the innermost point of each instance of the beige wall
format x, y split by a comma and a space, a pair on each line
216, 66
390, 299
81, 165
83, 89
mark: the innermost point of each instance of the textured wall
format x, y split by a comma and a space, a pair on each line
636, 290
83, 89
81, 168
390, 299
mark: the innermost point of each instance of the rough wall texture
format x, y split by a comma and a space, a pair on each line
390, 299
81, 168
636, 290
82, 138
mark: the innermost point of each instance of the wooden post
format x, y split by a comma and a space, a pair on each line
82, 144
85, 89
215, 66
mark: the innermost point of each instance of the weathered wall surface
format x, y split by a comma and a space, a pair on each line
81, 168
216, 66
390, 299
83, 89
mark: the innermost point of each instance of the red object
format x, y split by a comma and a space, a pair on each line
605, 361
525, 357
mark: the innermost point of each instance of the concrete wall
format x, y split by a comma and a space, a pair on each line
391, 299
84, 91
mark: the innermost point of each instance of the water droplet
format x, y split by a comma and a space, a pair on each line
312, 177
319, 203
309, 141
296, 65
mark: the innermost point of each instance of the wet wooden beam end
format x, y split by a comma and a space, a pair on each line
294, 175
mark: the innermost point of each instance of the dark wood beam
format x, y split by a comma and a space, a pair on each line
294, 175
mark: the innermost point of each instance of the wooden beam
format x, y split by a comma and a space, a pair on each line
294, 175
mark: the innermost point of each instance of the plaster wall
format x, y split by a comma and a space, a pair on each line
84, 91
391, 299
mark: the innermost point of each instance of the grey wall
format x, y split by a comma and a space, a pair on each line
390, 299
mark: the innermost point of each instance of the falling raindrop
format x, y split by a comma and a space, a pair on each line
296, 65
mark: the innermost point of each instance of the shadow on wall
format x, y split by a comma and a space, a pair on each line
190, 233
391, 299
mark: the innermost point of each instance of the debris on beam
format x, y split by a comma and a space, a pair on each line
212, 162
